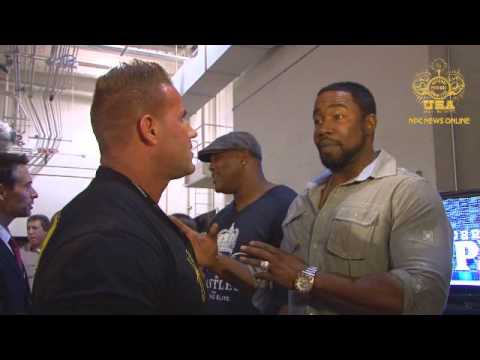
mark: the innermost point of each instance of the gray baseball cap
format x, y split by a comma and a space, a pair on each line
235, 140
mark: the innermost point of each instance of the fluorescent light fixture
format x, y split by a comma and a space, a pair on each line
145, 52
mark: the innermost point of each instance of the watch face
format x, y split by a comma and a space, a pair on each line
303, 284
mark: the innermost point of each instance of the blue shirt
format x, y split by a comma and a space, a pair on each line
259, 221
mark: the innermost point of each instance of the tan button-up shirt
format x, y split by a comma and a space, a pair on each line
30, 260
387, 219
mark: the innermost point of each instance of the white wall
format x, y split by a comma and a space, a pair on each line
274, 100
467, 138
80, 150
174, 198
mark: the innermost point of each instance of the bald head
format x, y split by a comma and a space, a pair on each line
121, 97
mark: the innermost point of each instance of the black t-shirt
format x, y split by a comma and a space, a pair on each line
259, 221
114, 251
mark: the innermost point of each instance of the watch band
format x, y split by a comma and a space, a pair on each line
311, 271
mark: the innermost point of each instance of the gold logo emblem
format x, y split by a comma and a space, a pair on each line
198, 276
438, 88
48, 236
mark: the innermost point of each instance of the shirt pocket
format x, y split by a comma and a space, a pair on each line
349, 240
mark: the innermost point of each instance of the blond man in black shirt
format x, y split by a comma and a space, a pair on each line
113, 250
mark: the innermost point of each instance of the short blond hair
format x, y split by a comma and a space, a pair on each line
124, 91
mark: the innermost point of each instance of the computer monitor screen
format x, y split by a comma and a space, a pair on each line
463, 211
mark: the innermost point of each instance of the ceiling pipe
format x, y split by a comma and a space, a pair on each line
127, 50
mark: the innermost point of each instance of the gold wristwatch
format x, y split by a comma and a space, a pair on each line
304, 281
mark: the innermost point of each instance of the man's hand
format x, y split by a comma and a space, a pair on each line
283, 267
205, 246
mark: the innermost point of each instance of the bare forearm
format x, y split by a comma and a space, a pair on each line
379, 293
234, 272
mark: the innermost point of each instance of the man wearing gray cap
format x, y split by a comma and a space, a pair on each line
256, 213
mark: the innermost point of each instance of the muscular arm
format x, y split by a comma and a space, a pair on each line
380, 293
377, 293
420, 253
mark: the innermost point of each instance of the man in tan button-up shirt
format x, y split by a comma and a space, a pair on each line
366, 236
37, 228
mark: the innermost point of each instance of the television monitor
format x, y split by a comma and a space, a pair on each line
463, 212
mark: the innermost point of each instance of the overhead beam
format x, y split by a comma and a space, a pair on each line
215, 66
